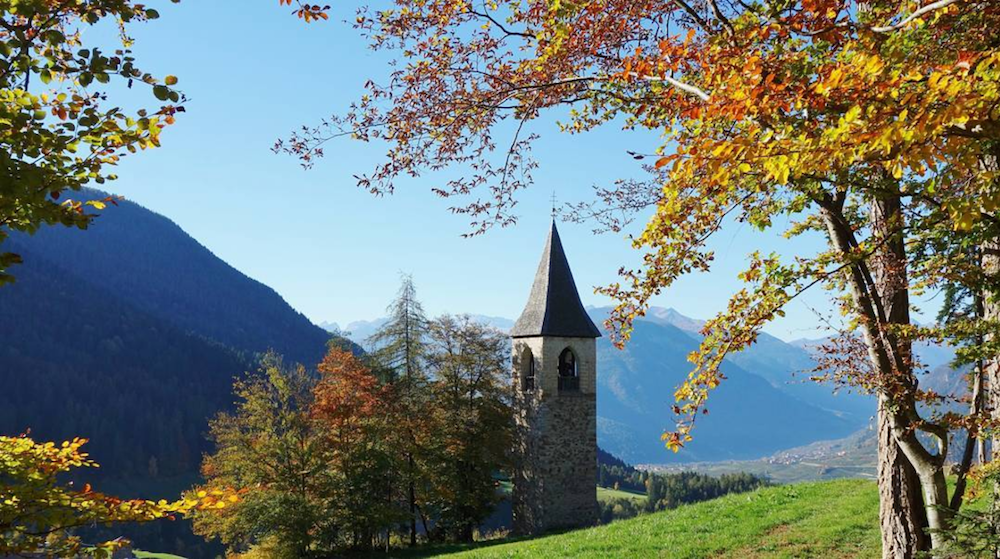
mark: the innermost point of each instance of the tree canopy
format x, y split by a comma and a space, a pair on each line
60, 128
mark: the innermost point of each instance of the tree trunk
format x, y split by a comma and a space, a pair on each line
991, 312
895, 384
991, 369
901, 508
413, 506
902, 515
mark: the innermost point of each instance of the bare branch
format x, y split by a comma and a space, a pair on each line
718, 15
686, 88
694, 15
922, 11
501, 26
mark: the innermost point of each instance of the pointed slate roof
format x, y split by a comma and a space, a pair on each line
554, 307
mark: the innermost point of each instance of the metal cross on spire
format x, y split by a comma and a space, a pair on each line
553, 205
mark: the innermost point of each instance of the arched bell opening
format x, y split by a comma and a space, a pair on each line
569, 378
527, 370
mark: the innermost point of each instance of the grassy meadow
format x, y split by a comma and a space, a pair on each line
607, 494
829, 519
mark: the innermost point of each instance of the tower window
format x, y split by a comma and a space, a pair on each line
569, 379
528, 370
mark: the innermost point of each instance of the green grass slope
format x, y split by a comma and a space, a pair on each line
831, 519
607, 494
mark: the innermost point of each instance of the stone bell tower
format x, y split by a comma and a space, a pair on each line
555, 374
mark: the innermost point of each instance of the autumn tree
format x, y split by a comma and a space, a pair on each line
471, 421
359, 432
60, 129
39, 510
398, 353
270, 448
871, 124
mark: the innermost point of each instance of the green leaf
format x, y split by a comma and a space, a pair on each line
161, 92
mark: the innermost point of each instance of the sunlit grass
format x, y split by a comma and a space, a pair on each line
821, 519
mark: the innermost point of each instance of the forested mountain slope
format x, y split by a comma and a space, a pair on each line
130, 334
146, 260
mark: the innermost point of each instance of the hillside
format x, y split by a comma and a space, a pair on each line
147, 261
835, 519
76, 360
130, 333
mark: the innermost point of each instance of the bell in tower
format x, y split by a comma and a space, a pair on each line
555, 374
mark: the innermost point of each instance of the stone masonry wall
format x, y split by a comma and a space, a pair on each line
556, 474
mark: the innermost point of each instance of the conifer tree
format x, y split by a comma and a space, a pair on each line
399, 352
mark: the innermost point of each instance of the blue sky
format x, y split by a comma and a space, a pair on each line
253, 73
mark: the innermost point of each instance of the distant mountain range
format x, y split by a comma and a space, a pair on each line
767, 405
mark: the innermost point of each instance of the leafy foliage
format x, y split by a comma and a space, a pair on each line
60, 131
471, 421
973, 532
38, 512
328, 464
270, 448
359, 424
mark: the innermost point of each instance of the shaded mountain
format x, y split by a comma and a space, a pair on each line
75, 360
130, 334
148, 262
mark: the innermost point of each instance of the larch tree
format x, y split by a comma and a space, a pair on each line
399, 349
872, 124
60, 128
354, 412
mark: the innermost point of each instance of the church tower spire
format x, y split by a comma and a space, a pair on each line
554, 307
555, 375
